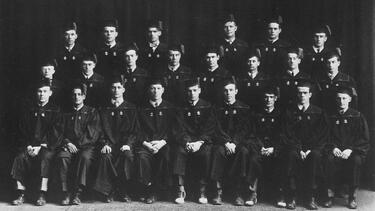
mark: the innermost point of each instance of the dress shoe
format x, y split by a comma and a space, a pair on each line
252, 200
312, 204
181, 194
239, 201
291, 205
352, 204
66, 199
203, 196
281, 202
126, 198
19, 200
217, 200
150, 199
328, 203
41, 201
77, 199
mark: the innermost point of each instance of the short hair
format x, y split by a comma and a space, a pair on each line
117, 79
305, 83
133, 46
177, 47
49, 62
110, 23
332, 54
271, 90
274, 19
229, 18
155, 24
81, 86
156, 81
322, 29
42, 83
296, 50
90, 57
192, 82
70, 26
230, 81
344, 90
254, 53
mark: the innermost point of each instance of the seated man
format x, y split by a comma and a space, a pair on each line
268, 123
348, 146
159, 128
38, 135
81, 132
305, 133
120, 127
235, 147
194, 149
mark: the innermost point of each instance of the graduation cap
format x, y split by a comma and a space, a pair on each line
323, 28
192, 82
333, 53
155, 24
177, 47
271, 90
155, 81
213, 48
274, 19
90, 57
42, 83
132, 46
110, 23
70, 26
79, 85
253, 53
229, 18
296, 50
49, 62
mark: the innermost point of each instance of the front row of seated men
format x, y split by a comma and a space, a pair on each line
158, 146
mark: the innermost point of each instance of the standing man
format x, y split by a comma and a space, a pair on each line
38, 136
348, 146
175, 74
110, 52
273, 48
234, 48
153, 53
120, 128
159, 128
193, 151
235, 148
70, 54
81, 132
305, 133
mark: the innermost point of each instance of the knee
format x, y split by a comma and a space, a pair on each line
127, 154
86, 156
105, 157
218, 151
356, 160
292, 155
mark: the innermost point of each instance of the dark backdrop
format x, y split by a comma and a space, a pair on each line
31, 29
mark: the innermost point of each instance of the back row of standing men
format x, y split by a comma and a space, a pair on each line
233, 137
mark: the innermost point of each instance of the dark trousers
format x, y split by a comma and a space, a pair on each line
74, 169
24, 164
307, 169
349, 169
114, 169
271, 171
199, 161
153, 168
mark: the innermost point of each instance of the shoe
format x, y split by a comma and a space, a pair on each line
150, 199
328, 203
181, 194
76, 199
41, 200
217, 200
19, 200
291, 205
126, 198
239, 201
66, 200
281, 202
312, 204
202, 196
352, 204
252, 200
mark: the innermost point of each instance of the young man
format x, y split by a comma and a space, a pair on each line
159, 128
153, 54
268, 124
305, 133
69, 55
234, 48
135, 77
291, 77
94, 82
192, 152
212, 76
273, 48
38, 136
120, 128
332, 79
251, 81
235, 147
175, 74
348, 146
110, 52
81, 132
314, 54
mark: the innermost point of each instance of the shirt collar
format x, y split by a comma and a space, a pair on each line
155, 103
78, 108
173, 68
318, 50
88, 76
69, 48
117, 102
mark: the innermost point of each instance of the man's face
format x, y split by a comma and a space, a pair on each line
293, 61
230, 92
156, 91
333, 64
319, 39
70, 37
273, 30
48, 71
88, 66
270, 100
78, 97
212, 59
110, 33
117, 90
343, 101
230, 29
253, 63
131, 57
43, 94
153, 34
193, 93
174, 57
303, 95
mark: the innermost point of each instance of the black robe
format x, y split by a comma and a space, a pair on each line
234, 55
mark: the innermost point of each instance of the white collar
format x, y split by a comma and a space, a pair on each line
117, 102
